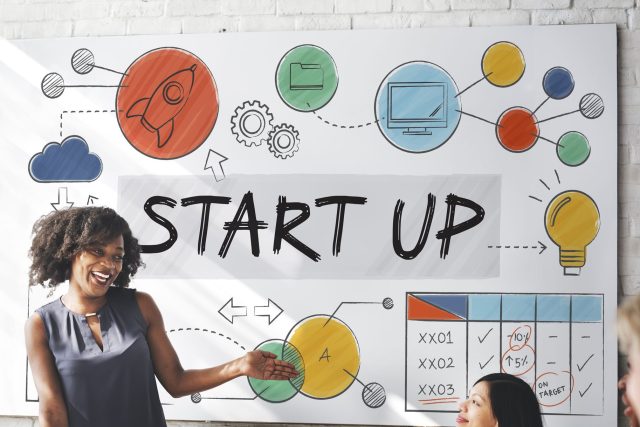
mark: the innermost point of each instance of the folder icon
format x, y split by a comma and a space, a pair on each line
305, 76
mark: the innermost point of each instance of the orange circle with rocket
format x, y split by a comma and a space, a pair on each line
167, 103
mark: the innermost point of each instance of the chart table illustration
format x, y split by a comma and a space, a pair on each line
552, 341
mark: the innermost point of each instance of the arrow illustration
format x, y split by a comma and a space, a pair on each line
230, 311
271, 310
540, 246
90, 199
214, 162
63, 199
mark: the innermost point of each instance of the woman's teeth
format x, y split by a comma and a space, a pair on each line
102, 278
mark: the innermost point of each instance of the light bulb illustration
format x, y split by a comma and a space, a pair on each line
572, 221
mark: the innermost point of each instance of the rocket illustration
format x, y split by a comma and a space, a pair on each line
167, 100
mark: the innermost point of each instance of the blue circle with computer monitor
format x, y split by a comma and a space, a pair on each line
417, 108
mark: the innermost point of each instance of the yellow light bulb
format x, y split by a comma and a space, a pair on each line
572, 221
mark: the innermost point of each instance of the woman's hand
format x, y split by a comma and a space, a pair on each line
628, 410
264, 366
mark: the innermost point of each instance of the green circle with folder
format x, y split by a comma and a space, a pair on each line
306, 78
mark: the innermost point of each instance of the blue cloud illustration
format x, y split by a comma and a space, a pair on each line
69, 161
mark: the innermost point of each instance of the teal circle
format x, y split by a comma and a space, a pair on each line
276, 391
417, 107
573, 148
306, 78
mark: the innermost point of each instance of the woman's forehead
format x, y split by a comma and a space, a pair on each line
481, 389
117, 241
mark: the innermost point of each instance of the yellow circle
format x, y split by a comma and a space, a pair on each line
503, 64
330, 353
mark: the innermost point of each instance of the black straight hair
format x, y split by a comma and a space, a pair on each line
513, 402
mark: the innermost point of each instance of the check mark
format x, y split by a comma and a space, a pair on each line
490, 359
481, 340
582, 393
580, 368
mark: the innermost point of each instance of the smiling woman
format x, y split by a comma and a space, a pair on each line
102, 334
500, 400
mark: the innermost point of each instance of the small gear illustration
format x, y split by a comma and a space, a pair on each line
251, 123
283, 141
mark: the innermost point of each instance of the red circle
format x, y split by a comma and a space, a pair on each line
517, 129
167, 103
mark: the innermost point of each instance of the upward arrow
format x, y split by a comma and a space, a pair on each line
214, 162
63, 199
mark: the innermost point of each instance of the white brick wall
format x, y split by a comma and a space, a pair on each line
187, 7
540, 4
381, 20
565, 16
590, 4
441, 19
121, 10
323, 22
482, 5
363, 6
210, 24
61, 18
297, 7
247, 7
500, 17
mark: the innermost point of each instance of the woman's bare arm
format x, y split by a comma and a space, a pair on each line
52, 408
180, 382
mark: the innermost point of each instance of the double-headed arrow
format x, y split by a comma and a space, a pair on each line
271, 311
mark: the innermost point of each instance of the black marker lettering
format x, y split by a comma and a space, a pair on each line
204, 218
450, 229
422, 239
173, 233
341, 201
283, 230
252, 225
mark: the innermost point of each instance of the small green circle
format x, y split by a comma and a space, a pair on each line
573, 148
306, 78
277, 391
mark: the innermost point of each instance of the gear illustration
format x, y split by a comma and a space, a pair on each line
283, 141
251, 123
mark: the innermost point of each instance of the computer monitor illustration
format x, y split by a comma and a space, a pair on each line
416, 106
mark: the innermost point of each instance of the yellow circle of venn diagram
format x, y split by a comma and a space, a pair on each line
330, 353
503, 64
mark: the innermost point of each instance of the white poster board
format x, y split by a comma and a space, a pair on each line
396, 212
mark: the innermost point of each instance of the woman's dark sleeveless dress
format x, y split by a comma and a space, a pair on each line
111, 387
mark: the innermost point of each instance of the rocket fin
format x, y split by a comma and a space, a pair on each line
164, 133
138, 108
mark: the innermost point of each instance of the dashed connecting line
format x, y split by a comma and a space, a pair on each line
335, 125
207, 330
82, 111
509, 247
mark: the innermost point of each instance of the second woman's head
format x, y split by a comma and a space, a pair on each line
500, 400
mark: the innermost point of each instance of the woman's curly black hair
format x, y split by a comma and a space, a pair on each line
62, 234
